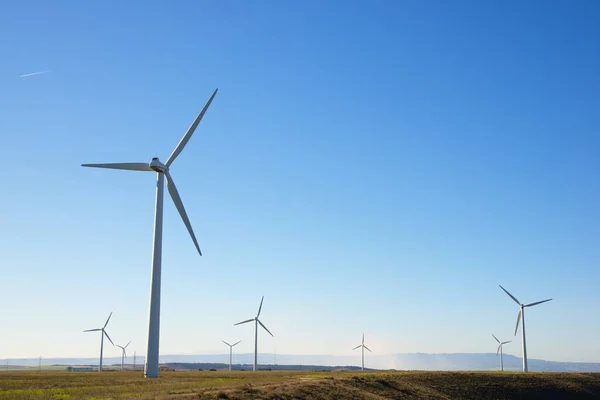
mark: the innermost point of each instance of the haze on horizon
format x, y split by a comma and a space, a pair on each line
367, 167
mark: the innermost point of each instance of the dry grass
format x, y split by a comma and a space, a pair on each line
283, 385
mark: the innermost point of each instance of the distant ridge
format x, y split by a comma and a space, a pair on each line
402, 361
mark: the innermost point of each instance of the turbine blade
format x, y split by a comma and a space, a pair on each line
127, 345
518, 320
108, 337
498, 351
236, 343
260, 307
226, 343
511, 296
106, 323
503, 343
357, 347
135, 166
496, 338
367, 348
179, 205
536, 303
190, 131
93, 330
243, 322
261, 324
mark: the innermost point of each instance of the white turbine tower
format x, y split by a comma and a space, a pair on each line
362, 367
521, 317
123, 353
500, 344
256, 322
162, 171
230, 350
102, 339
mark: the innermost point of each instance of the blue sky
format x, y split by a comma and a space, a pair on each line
374, 167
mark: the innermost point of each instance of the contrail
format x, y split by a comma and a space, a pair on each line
33, 73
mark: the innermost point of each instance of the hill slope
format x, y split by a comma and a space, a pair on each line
285, 385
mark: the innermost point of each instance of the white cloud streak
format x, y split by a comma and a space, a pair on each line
33, 73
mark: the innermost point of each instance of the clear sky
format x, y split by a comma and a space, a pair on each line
367, 166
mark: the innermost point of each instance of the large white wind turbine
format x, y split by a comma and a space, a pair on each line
230, 350
102, 339
256, 322
362, 367
123, 353
500, 344
521, 318
162, 171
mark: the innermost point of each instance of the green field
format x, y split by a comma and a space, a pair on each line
299, 385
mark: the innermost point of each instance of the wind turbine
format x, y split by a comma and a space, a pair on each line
162, 171
102, 339
500, 344
362, 368
256, 322
123, 354
521, 317
230, 350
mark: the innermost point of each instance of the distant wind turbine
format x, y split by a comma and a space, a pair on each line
256, 322
362, 367
162, 171
123, 354
102, 339
230, 351
521, 317
500, 344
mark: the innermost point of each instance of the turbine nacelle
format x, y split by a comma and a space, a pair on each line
157, 166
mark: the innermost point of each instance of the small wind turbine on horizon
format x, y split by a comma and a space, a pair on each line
230, 351
362, 367
123, 353
500, 344
102, 339
162, 172
521, 318
256, 323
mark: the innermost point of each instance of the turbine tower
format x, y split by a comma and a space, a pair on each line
500, 344
102, 339
256, 322
521, 317
362, 367
230, 351
162, 171
123, 354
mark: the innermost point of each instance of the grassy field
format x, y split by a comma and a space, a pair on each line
299, 385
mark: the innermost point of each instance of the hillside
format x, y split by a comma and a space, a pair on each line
401, 361
284, 385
